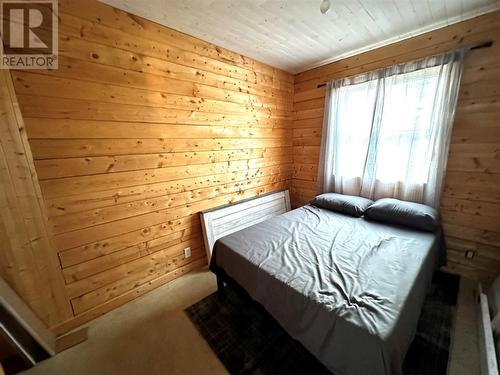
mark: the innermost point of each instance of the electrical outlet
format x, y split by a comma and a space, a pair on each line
469, 254
187, 252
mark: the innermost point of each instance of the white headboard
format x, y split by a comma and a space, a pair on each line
221, 221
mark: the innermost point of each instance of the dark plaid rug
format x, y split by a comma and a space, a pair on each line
247, 340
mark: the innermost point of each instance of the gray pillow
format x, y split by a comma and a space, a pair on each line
409, 214
346, 204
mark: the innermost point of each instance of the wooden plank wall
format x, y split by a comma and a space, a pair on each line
471, 202
28, 262
140, 129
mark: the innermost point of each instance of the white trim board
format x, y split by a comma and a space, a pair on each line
26, 318
487, 351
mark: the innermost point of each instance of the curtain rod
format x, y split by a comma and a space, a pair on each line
473, 48
483, 45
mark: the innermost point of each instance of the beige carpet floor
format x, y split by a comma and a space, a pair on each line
152, 335
464, 353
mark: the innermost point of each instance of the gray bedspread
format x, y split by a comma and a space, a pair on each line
348, 289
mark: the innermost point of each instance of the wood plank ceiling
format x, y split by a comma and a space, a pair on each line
293, 34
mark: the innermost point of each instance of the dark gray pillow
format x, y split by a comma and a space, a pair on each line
409, 214
346, 204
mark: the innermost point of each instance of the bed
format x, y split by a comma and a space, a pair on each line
350, 290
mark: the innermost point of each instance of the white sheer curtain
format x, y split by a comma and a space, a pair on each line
386, 133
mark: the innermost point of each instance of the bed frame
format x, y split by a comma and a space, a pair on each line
221, 221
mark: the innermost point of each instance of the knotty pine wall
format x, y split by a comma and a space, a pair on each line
28, 262
139, 130
470, 206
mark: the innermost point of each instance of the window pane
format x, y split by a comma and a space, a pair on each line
400, 147
403, 149
354, 118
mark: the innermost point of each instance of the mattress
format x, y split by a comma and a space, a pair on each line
348, 289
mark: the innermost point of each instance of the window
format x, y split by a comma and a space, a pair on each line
387, 131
